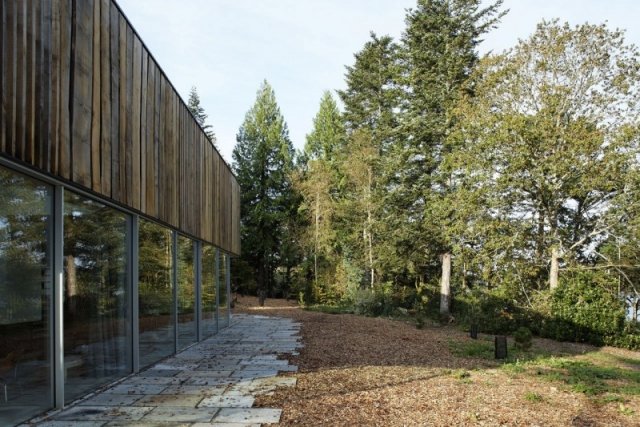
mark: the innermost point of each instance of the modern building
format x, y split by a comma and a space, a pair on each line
118, 217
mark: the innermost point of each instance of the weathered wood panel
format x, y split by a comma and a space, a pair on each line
96, 100
20, 79
3, 60
82, 78
83, 100
143, 129
105, 98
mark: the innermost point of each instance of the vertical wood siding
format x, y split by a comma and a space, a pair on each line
83, 100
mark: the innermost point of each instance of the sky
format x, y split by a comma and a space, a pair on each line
227, 48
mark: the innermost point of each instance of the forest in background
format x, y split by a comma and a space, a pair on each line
500, 191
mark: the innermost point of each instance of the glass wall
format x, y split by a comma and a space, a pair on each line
209, 317
186, 292
97, 327
25, 295
223, 290
155, 290
96, 347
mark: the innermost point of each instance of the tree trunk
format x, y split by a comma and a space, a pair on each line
555, 268
315, 251
370, 227
464, 275
445, 284
262, 294
72, 283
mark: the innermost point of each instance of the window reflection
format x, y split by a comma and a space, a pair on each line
186, 292
155, 287
209, 319
223, 290
25, 292
95, 310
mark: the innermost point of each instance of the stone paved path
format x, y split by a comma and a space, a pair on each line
213, 383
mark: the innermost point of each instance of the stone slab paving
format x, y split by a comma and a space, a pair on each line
213, 383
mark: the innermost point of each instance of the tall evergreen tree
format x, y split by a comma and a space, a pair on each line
328, 134
318, 184
438, 55
373, 94
263, 162
371, 101
201, 117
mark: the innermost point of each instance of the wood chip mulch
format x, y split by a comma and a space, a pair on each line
360, 371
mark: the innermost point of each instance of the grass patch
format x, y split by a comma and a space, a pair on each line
463, 375
588, 378
330, 309
626, 411
606, 377
533, 397
483, 348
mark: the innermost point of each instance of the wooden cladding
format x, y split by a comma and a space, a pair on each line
83, 100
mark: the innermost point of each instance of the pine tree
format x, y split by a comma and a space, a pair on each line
373, 94
263, 162
201, 117
371, 101
438, 55
318, 184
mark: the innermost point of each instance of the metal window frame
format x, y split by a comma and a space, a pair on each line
197, 260
228, 284
174, 279
58, 297
134, 294
217, 285
56, 252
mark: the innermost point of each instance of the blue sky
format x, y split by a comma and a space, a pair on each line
226, 48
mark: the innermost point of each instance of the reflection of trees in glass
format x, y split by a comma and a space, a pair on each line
25, 289
209, 289
95, 293
224, 311
186, 292
24, 215
154, 274
155, 287
94, 250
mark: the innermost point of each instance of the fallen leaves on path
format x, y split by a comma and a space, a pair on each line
360, 371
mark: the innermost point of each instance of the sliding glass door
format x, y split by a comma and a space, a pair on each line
156, 321
186, 292
26, 209
96, 326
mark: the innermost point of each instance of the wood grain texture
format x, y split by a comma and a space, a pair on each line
83, 100
42, 84
20, 77
96, 100
32, 27
64, 139
105, 98
82, 83
136, 87
3, 30
9, 71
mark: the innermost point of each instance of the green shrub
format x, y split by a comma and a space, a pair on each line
522, 337
583, 310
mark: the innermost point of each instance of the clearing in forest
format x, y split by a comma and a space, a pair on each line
357, 370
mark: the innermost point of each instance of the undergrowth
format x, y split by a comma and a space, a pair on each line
603, 376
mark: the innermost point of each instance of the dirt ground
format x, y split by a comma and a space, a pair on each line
360, 371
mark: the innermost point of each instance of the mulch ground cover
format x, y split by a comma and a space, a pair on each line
362, 371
